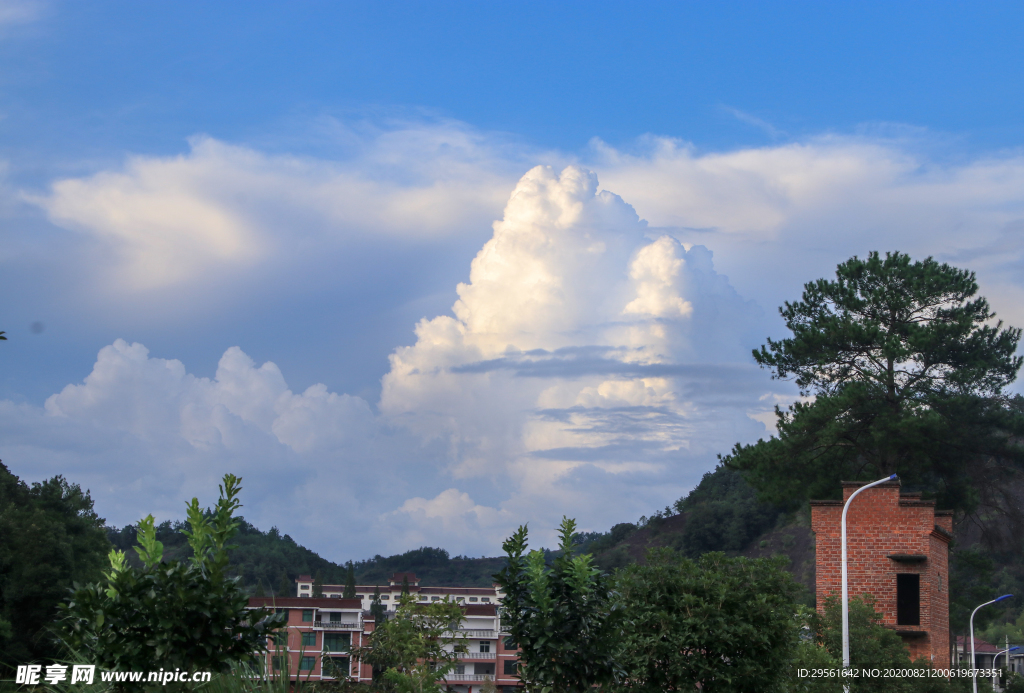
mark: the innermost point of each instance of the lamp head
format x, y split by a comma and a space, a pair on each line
894, 477
999, 599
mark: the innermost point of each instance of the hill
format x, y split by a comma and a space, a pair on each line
273, 560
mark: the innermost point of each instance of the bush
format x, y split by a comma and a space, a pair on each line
187, 614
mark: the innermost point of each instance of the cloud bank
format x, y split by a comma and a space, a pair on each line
595, 360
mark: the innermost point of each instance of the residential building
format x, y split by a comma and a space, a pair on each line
898, 553
321, 631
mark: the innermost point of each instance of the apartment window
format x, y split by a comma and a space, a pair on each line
511, 667
309, 639
307, 663
435, 599
485, 647
485, 599
510, 644
908, 599
307, 615
336, 667
359, 596
277, 663
280, 638
335, 617
337, 642
282, 611
472, 599
385, 597
459, 647
460, 668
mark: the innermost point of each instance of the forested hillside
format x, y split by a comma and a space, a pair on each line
273, 560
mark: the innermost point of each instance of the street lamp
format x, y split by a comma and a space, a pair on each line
1007, 652
846, 591
974, 671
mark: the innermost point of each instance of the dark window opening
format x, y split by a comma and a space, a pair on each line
908, 599
336, 667
511, 667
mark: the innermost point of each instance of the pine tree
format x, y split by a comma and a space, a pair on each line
318, 584
377, 608
350, 582
259, 589
284, 586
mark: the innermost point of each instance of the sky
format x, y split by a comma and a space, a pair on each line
423, 272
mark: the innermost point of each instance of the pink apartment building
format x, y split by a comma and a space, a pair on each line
321, 632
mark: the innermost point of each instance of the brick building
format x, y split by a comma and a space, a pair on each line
897, 552
321, 631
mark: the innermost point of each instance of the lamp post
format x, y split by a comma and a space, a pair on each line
846, 591
974, 669
995, 659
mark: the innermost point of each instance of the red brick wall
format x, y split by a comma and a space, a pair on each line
880, 523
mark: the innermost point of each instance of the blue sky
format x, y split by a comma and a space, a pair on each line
290, 206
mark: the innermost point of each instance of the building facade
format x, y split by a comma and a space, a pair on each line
322, 631
898, 553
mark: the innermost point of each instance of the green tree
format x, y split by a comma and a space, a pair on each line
260, 592
50, 538
377, 609
350, 582
906, 374
284, 586
414, 649
318, 584
188, 614
562, 618
717, 624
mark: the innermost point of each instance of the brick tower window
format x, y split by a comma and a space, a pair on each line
908, 599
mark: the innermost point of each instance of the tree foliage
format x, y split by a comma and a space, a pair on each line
723, 514
717, 624
562, 617
414, 648
350, 582
50, 538
906, 372
188, 614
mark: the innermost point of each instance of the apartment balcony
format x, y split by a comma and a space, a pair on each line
337, 625
468, 677
475, 655
476, 633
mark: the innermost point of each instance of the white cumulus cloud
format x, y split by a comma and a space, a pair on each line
583, 343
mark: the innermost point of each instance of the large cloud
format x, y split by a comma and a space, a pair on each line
583, 347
